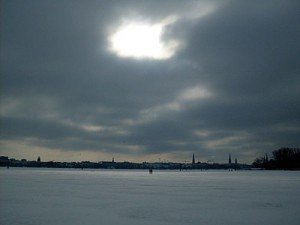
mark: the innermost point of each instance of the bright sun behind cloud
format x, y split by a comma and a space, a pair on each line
139, 40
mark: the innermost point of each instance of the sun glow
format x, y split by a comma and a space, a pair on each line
141, 41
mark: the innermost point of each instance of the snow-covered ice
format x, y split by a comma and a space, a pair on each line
122, 197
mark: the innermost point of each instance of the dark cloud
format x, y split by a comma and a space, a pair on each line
62, 89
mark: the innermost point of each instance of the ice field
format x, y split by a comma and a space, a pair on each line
129, 197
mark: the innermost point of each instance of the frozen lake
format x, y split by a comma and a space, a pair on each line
112, 197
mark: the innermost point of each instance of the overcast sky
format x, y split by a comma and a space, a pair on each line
225, 80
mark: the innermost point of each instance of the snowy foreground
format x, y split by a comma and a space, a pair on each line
112, 197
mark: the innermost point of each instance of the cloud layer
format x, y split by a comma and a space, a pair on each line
232, 86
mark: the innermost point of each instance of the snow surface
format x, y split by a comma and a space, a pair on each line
113, 197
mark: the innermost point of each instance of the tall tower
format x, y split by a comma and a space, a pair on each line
193, 160
229, 159
235, 164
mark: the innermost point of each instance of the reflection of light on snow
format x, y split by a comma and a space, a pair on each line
139, 40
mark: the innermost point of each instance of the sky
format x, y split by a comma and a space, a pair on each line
149, 80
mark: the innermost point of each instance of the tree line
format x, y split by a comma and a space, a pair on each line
283, 158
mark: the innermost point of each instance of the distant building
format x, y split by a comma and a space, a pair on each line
193, 160
113, 160
38, 159
229, 159
4, 161
4, 158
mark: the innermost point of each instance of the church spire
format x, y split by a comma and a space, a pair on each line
193, 160
229, 159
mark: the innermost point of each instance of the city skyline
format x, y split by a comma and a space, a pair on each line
193, 160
